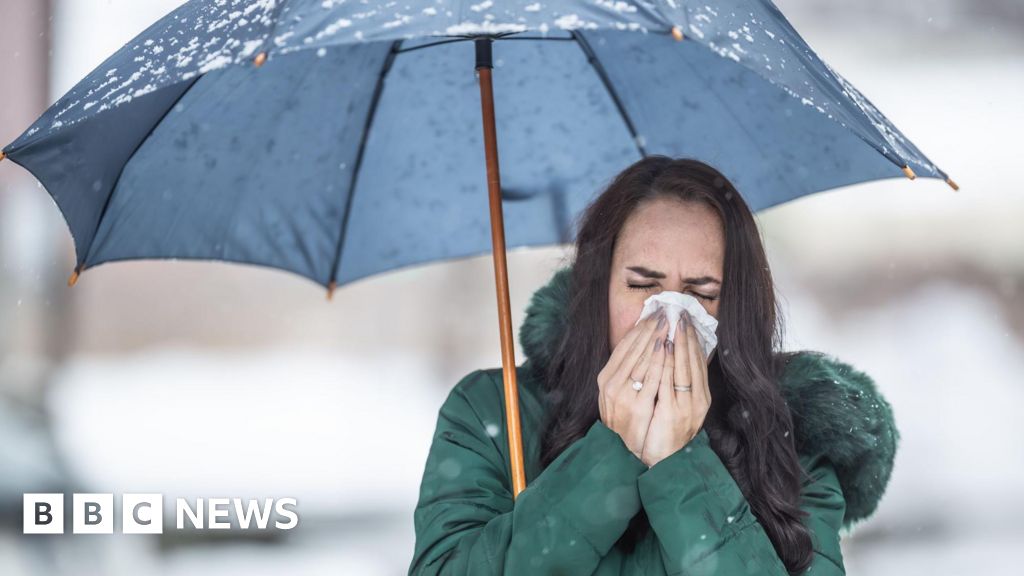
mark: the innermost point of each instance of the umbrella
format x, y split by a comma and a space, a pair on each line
338, 139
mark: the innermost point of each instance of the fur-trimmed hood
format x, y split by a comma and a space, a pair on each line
836, 409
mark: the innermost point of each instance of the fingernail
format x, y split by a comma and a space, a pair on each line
657, 343
671, 346
661, 320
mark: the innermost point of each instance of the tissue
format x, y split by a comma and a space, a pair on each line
674, 303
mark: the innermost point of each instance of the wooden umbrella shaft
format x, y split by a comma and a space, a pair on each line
508, 358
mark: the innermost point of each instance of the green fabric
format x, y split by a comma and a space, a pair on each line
705, 526
572, 513
837, 410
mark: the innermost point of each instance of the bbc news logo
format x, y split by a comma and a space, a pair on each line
144, 513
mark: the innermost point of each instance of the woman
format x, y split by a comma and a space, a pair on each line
749, 463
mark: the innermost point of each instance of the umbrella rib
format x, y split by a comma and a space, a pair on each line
273, 26
431, 44
549, 38
603, 75
106, 203
378, 89
464, 39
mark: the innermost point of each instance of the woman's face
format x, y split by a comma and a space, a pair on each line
665, 244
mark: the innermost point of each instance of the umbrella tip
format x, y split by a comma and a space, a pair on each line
330, 289
74, 277
952, 184
259, 59
677, 33
910, 173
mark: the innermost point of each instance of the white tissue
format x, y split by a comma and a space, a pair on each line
674, 303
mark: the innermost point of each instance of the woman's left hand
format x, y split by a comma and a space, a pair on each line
679, 414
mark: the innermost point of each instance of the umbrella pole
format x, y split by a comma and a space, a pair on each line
508, 359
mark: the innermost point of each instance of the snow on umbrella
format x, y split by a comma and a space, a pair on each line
337, 139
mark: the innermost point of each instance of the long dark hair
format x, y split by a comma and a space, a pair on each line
748, 420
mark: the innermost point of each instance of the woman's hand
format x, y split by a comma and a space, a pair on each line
678, 414
640, 355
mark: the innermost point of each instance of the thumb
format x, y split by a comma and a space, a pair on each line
665, 390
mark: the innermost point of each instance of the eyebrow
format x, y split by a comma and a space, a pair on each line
698, 281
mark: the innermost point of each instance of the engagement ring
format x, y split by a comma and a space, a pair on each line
637, 385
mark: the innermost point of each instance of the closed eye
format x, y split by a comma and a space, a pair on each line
646, 287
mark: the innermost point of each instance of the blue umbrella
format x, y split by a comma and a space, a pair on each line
338, 139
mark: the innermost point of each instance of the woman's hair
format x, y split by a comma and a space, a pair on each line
749, 421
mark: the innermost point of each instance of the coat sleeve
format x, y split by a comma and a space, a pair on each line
564, 522
704, 524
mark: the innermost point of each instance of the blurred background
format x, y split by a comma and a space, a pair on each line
202, 379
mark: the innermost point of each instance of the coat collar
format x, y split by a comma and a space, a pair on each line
837, 410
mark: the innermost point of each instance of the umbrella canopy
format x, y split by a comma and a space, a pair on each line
337, 139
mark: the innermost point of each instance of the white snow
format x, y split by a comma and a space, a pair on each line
486, 26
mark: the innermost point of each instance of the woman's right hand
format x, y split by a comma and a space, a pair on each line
640, 355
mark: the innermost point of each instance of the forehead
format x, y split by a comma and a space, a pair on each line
667, 234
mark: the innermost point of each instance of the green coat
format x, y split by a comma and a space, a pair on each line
571, 514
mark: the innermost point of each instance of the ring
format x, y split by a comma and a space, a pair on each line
637, 385
683, 388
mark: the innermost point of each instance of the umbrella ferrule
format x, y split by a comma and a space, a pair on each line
74, 275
